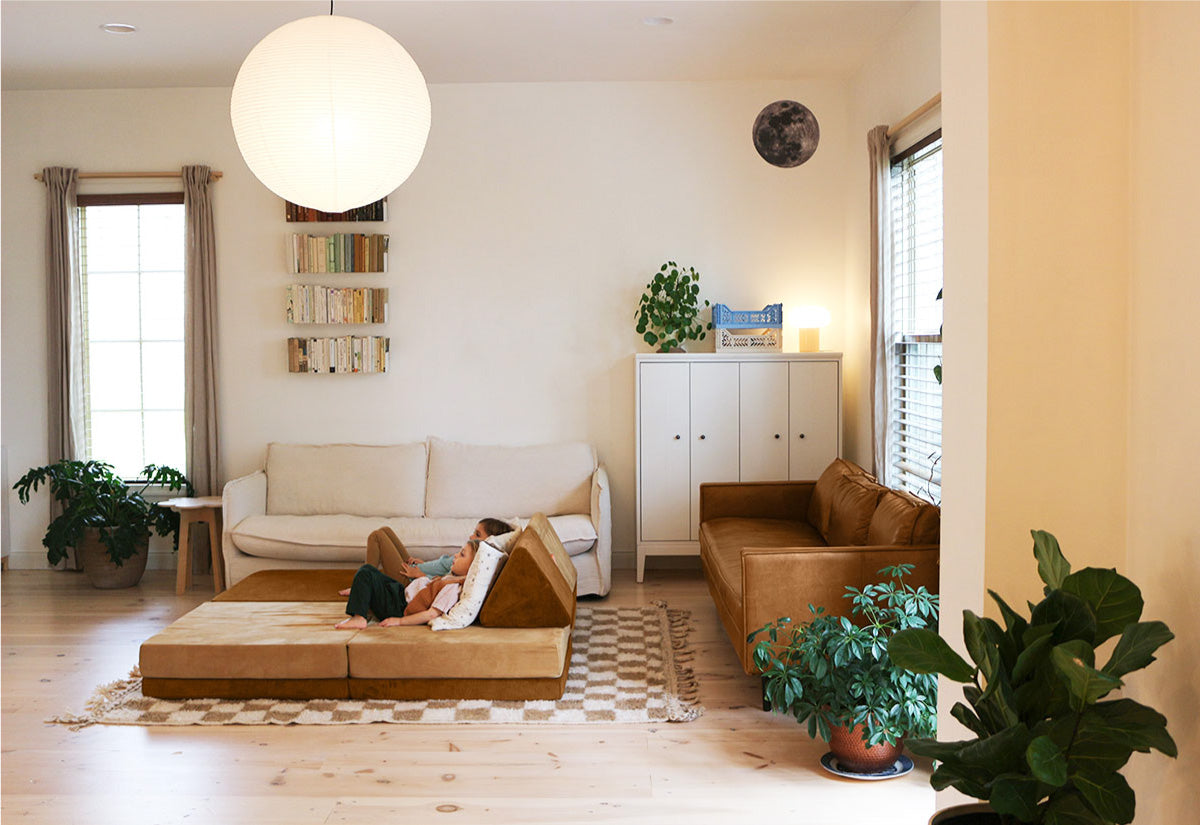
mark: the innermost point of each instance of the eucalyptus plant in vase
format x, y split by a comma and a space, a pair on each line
668, 312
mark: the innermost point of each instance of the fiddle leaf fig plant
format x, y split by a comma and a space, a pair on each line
667, 314
1048, 746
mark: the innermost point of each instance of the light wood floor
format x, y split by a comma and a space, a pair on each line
736, 764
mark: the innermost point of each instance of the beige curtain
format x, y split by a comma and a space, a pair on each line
200, 334
64, 316
879, 153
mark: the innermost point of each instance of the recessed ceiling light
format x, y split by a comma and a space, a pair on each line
118, 28
658, 21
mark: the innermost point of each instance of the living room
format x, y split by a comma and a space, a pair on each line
518, 250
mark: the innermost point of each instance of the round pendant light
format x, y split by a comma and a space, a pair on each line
330, 112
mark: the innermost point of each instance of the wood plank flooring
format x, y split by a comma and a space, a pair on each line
61, 638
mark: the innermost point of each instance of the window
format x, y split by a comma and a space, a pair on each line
915, 429
132, 249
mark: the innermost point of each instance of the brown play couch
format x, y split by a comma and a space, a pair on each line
272, 635
769, 549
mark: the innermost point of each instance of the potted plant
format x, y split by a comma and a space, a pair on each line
1048, 747
667, 313
106, 521
834, 673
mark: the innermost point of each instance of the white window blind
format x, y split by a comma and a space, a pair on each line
133, 294
915, 437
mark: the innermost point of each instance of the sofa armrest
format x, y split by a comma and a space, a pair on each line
243, 497
755, 499
602, 522
783, 581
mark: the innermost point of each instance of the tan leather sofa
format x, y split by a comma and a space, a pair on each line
770, 549
273, 635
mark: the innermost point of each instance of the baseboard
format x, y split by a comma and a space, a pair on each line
36, 560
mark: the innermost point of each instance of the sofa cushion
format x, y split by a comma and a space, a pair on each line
344, 538
852, 505
486, 564
820, 505
471, 653
722, 540
472, 481
902, 518
576, 532
251, 640
290, 585
353, 479
536, 588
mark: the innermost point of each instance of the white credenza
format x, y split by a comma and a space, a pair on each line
726, 417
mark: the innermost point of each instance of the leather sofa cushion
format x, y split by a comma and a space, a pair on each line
722, 540
470, 653
902, 518
820, 505
357, 479
853, 504
473, 480
251, 640
536, 587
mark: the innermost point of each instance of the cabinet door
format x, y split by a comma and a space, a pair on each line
714, 447
815, 398
763, 404
664, 468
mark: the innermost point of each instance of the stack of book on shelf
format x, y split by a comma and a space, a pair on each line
343, 252
336, 305
371, 212
345, 354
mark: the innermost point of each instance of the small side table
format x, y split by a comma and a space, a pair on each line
192, 510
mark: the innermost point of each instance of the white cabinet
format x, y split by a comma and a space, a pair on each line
719, 417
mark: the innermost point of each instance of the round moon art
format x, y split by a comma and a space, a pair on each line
786, 133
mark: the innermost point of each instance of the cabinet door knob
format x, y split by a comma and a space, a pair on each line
777, 435
802, 435
702, 437
676, 438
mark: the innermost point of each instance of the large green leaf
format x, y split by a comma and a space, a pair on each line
969, 720
1013, 622
1115, 600
1108, 794
985, 656
1002, 753
1132, 724
1029, 658
1052, 565
1089, 747
1070, 614
1047, 761
941, 751
1069, 809
923, 651
1015, 795
1085, 684
1136, 647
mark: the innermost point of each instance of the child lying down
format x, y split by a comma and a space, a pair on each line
394, 604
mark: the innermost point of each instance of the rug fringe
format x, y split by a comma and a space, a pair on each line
105, 698
683, 692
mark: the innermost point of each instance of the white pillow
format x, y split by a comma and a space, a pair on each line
474, 590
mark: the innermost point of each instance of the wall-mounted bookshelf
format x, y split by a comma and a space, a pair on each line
295, 213
336, 305
340, 252
346, 354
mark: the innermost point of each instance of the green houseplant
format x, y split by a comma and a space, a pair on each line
99, 510
667, 313
1047, 749
835, 673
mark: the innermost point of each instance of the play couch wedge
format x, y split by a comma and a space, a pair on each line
312, 506
272, 635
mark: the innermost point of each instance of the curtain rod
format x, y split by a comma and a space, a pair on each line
117, 175
920, 110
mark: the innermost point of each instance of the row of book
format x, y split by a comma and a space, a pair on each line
345, 354
336, 305
371, 212
343, 252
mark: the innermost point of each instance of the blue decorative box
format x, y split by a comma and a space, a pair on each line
769, 317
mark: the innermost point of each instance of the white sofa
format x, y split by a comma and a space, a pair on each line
313, 506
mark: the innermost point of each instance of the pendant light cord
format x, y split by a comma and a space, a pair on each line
331, 8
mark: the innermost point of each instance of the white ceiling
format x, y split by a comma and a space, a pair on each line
49, 44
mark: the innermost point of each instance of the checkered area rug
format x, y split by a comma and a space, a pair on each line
629, 665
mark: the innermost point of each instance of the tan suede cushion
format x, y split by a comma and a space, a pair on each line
902, 518
852, 505
251, 640
290, 586
536, 588
820, 505
470, 653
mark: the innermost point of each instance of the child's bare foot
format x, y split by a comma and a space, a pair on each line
345, 592
352, 623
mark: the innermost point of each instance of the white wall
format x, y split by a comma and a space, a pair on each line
519, 248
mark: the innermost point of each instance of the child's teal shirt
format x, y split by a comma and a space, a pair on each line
438, 567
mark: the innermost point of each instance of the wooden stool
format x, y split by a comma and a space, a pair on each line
191, 511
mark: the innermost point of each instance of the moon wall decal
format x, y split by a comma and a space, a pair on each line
786, 133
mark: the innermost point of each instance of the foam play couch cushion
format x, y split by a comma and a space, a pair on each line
536, 588
469, 653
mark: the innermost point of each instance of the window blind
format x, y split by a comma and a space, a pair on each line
915, 431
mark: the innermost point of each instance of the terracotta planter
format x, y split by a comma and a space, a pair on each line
101, 571
976, 813
853, 754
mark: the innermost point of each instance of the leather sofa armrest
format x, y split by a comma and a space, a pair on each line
602, 522
755, 499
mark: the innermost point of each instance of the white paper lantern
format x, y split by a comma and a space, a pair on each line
330, 112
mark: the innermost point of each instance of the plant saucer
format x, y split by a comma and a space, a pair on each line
901, 766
